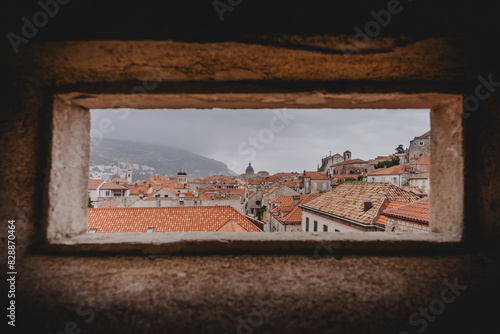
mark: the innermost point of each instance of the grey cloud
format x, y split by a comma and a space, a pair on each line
218, 133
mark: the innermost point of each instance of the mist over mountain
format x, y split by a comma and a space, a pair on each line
149, 159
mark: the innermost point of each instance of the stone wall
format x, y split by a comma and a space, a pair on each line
329, 292
416, 150
401, 225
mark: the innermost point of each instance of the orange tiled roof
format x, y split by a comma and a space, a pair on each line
398, 169
347, 200
414, 190
112, 186
352, 161
167, 219
283, 200
424, 159
416, 211
296, 214
147, 182
119, 180
137, 189
390, 205
110, 204
95, 183
231, 226
316, 175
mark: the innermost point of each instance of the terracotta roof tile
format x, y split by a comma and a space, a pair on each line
112, 186
347, 162
95, 183
316, 175
347, 200
424, 159
231, 226
416, 211
296, 214
167, 219
398, 169
110, 204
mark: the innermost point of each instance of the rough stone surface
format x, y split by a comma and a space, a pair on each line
352, 293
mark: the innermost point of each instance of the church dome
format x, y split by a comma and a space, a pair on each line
182, 173
249, 169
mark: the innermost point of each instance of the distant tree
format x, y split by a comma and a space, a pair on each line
400, 149
388, 163
90, 205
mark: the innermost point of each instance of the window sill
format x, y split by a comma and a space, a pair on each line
276, 242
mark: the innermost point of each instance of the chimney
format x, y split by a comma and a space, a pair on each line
296, 199
158, 201
367, 205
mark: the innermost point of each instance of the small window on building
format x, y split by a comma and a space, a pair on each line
150, 230
337, 230
421, 154
93, 230
307, 224
421, 143
315, 226
325, 228
165, 195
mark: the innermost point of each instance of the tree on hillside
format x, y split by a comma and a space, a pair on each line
388, 163
400, 149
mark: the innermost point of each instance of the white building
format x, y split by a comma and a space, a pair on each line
398, 175
352, 207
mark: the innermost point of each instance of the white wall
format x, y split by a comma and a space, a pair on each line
332, 225
422, 184
385, 178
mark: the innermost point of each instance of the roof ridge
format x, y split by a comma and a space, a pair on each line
407, 204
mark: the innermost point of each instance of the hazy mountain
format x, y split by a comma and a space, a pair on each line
164, 159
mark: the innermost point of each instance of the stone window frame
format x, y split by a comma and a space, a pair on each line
64, 222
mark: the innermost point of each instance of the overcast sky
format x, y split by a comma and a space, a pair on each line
280, 140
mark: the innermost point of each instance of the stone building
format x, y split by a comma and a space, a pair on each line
182, 178
315, 182
420, 146
412, 217
398, 175
129, 175
328, 161
250, 173
352, 207
421, 181
284, 213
